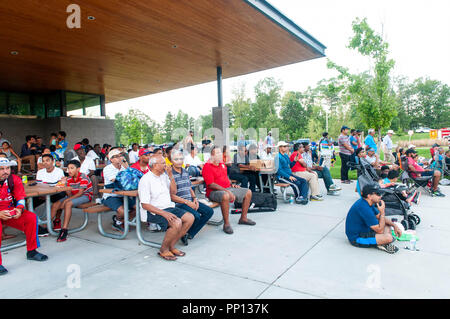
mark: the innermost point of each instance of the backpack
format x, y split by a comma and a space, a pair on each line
126, 180
264, 202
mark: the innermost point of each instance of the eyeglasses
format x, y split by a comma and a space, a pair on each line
177, 159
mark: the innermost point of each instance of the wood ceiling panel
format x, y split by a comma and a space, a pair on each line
127, 50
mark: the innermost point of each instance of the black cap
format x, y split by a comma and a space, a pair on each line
436, 145
344, 128
410, 150
372, 189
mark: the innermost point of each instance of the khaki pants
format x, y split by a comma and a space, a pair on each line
388, 157
312, 179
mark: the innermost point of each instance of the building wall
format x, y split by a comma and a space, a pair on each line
96, 130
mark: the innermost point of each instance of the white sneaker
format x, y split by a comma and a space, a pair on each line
154, 227
98, 200
252, 206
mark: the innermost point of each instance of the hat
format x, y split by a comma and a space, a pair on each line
76, 147
370, 150
410, 150
390, 132
113, 152
143, 151
6, 162
435, 145
411, 146
344, 128
267, 146
372, 189
282, 143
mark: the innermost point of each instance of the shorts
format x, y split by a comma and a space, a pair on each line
161, 221
365, 240
427, 173
114, 202
77, 201
216, 196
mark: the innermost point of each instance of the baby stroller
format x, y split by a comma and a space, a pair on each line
392, 196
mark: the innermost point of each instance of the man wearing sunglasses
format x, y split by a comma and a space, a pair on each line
366, 225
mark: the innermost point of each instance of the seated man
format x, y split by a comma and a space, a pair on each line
321, 171
415, 170
114, 201
366, 225
185, 198
13, 213
447, 159
28, 152
193, 163
285, 175
241, 160
300, 169
49, 175
81, 193
157, 207
142, 163
375, 161
220, 190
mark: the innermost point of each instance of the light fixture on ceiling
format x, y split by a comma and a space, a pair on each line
174, 46
91, 18
14, 52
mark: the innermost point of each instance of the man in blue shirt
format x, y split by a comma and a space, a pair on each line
366, 224
284, 174
370, 141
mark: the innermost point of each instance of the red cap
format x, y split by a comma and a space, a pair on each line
143, 151
76, 147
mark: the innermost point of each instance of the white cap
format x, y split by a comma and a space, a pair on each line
282, 143
6, 162
114, 152
411, 146
390, 132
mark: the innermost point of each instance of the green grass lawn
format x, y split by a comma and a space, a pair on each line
405, 137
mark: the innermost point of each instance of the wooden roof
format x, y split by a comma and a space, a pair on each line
135, 48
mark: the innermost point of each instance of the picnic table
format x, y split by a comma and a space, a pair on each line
37, 191
127, 223
263, 171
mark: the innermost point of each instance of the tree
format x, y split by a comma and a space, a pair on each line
264, 112
371, 92
239, 109
294, 115
134, 127
168, 126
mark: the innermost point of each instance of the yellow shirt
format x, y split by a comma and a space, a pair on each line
169, 163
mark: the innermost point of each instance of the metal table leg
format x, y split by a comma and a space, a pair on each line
125, 221
139, 228
48, 207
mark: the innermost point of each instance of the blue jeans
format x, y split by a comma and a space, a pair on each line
326, 176
300, 186
193, 171
202, 215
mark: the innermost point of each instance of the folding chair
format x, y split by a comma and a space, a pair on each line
414, 183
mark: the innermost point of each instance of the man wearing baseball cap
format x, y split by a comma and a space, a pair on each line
345, 153
387, 143
13, 213
142, 163
366, 225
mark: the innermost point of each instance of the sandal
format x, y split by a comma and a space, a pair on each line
178, 252
167, 255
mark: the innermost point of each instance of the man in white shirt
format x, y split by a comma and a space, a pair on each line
134, 153
87, 167
157, 207
114, 201
193, 163
94, 153
49, 175
388, 145
267, 154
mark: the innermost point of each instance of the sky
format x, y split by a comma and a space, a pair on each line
418, 33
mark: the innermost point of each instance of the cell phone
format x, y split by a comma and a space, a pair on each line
32, 184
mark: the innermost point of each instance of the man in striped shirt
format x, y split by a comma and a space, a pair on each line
80, 193
185, 199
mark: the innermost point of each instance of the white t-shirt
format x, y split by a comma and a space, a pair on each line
110, 173
266, 157
134, 156
372, 159
92, 155
154, 190
51, 178
188, 160
87, 166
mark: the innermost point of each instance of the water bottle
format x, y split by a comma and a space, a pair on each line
412, 244
291, 200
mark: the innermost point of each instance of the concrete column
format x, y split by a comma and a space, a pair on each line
221, 124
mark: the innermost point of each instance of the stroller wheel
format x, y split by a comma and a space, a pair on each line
411, 224
417, 218
405, 224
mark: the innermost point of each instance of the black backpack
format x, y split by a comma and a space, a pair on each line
264, 202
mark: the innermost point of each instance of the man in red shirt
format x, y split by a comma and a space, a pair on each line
13, 213
142, 164
415, 170
220, 190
